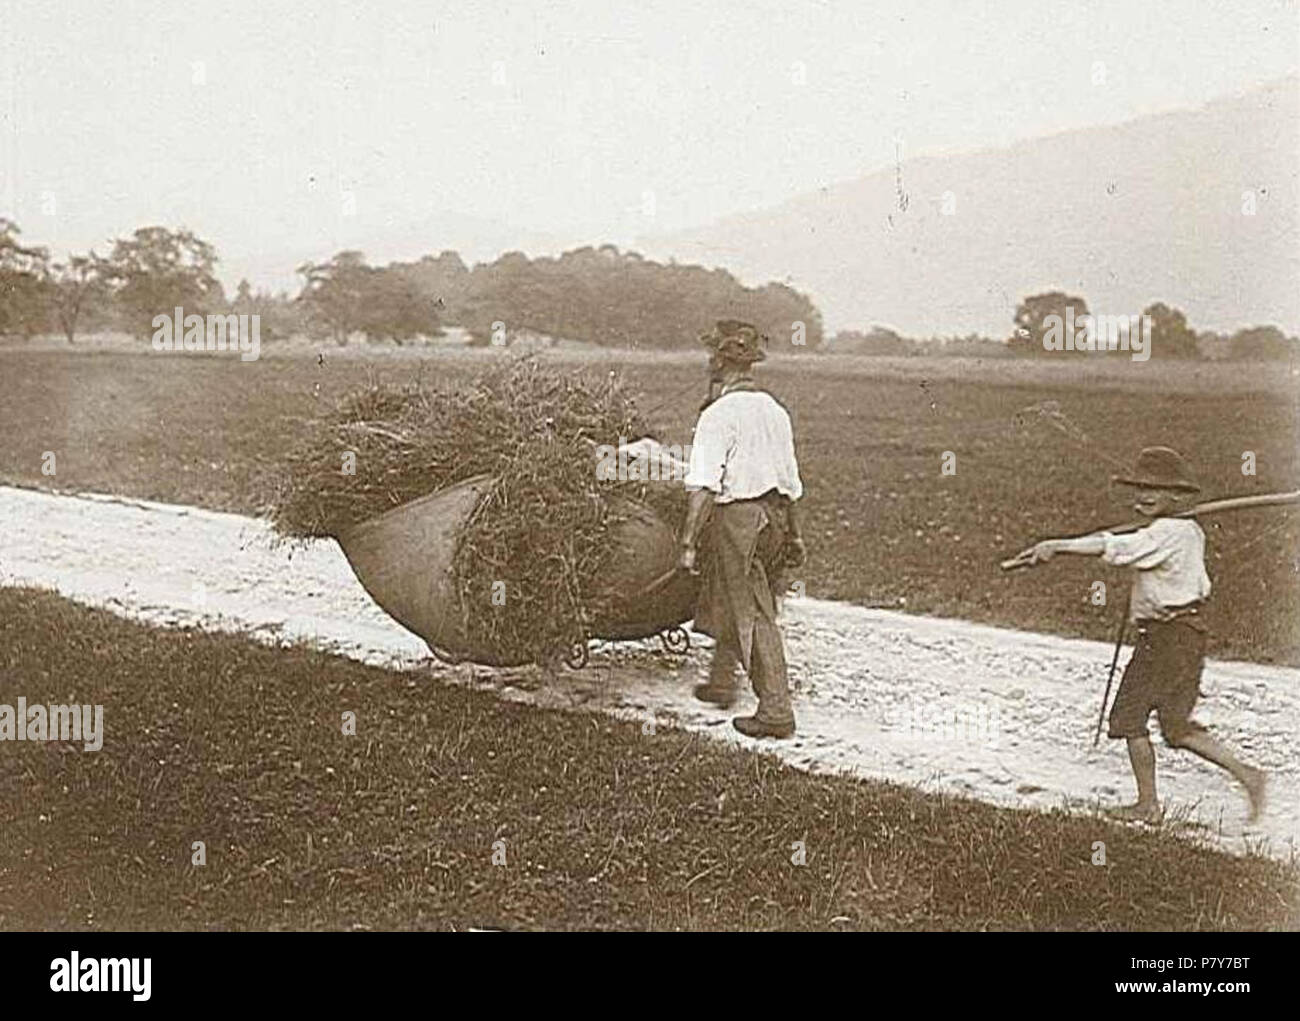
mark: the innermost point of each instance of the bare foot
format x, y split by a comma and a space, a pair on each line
1255, 791
1138, 812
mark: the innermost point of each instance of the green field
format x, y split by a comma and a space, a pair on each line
884, 525
215, 738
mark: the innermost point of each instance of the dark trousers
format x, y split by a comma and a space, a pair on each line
1163, 676
737, 603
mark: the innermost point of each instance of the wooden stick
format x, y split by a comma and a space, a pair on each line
1114, 662
1241, 502
1210, 507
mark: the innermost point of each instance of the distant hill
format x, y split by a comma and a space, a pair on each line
1122, 215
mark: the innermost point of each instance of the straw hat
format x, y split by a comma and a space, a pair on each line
736, 341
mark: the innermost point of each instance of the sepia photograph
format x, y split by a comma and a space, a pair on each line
757, 465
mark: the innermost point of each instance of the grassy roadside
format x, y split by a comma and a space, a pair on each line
884, 524
215, 738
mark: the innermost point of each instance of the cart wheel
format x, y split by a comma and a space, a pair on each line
576, 657
443, 656
675, 640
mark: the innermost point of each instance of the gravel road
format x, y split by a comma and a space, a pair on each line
998, 715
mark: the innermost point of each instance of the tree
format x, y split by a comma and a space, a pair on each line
776, 309
1171, 337
157, 270
444, 279
1260, 343
347, 296
512, 290
621, 299
397, 308
279, 316
24, 275
73, 285
334, 293
1031, 316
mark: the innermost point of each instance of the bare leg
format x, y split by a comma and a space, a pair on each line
1142, 758
1252, 779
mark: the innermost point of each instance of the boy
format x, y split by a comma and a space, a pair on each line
1169, 594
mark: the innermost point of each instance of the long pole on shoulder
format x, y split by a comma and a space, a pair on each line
1210, 507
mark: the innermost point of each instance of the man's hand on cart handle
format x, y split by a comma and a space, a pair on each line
795, 553
697, 509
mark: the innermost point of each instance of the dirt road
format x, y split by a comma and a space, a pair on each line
998, 715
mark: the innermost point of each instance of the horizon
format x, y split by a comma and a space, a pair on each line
557, 127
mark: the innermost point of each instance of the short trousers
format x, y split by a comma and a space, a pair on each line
1164, 676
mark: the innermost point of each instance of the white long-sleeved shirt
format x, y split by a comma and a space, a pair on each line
744, 446
1169, 555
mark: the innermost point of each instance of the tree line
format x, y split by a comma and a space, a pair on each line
597, 295
1038, 315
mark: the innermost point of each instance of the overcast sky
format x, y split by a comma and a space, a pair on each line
281, 131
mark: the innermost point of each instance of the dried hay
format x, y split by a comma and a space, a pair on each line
542, 529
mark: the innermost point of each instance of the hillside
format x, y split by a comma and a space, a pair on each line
1151, 209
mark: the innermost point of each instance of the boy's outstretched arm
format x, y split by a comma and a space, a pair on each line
1087, 545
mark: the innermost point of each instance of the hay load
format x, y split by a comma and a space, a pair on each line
476, 517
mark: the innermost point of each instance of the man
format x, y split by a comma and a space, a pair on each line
743, 479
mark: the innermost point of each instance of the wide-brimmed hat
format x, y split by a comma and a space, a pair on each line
736, 341
1160, 468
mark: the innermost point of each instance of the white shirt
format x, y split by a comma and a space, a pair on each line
1169, 555
744, 446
